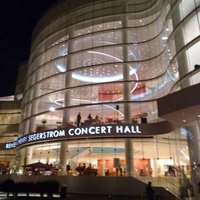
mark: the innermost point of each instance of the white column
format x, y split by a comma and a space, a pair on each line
34, 107
129, 157
63, 157
127, 106
22, 160
155, 166
66, 112
66, 119
29, 151
17, 160
103, 167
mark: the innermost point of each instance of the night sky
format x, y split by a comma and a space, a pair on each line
17, 21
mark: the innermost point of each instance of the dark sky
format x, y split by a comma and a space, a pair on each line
17, 21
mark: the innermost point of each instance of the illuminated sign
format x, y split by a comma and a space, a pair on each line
91, 132
36, 137
46, 135
74, 132
96, 130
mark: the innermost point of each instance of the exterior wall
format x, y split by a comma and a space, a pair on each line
21, 81
95, 59
89, 60
10, 119
114, 61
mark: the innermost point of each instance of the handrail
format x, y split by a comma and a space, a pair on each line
188, 75
156, 181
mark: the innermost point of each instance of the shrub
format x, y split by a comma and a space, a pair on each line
43, 186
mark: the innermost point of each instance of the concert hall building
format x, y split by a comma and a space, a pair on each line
112, 84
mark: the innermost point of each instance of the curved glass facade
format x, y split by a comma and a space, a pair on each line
112, 61
100, 62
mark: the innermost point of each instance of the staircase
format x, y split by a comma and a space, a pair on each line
170, 184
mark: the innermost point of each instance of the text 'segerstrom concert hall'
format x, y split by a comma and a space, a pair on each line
111, 88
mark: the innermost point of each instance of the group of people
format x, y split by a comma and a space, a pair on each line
83, 170
119, 171
174, 171
89, 117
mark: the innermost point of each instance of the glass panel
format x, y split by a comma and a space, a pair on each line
52, 84
97, 57
187, 7
134, 22
193, 59
97, 40
191, 31
99, 27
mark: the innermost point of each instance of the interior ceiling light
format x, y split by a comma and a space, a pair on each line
101, 78
95, 79
164, 38
52, 109
62, 68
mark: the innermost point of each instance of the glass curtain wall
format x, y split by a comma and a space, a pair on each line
80, 67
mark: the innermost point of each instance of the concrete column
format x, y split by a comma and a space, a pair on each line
63, 157
29, 152
129, 157
32, 122
17, 160
193, 137
34, 107
66, 111
126, 76
127, 106
26, 127
68, 77
154, 164
103, 167
22, 159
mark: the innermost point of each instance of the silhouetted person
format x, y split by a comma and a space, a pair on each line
171, 171
124, 171
89, 117
117, 171
120, 170
68, 167
150, 191
78, 119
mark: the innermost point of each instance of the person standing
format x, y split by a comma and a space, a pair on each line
68, 167
117, 171
150, 191
120, 170
89, 117
78, 119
